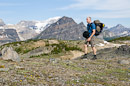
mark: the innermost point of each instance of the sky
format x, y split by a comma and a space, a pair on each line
110, 12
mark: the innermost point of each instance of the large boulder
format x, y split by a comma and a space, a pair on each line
9, 54
39, 51
123, 62
124, 49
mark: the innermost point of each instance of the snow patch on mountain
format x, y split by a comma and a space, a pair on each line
42, 25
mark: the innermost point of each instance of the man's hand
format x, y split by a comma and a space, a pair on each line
89, 39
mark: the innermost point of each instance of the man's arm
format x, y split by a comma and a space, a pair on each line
91, 35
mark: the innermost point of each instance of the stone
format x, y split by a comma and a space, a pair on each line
123, 62
53, 60
124, 49
9, 54
39, 51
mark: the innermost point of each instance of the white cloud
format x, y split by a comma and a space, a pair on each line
109, 8
112, 14
99, 4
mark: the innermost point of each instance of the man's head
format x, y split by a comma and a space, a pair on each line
88, 20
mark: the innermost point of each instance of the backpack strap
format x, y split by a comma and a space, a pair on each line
91, 24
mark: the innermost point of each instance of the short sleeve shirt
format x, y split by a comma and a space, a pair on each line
90, 28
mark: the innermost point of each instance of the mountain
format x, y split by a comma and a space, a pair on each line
114, 32
8, 35
23, 32
65, 29
120, 30
106, 34
29, 29
42, 25
38, 26
26, 23
2, 22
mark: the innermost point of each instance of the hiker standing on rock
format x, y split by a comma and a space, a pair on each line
91, 39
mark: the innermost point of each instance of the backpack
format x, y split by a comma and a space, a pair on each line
99, 27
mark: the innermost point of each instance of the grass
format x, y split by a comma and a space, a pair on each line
79, 72
120, 39
24, 72
91, 78
22, 47
40, 56
121, 74
72, 66
58, 49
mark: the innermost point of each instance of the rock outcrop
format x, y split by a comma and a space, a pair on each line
9, 54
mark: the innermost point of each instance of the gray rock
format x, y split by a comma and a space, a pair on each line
39, 51
9, 54
123, 62
124, 49
53, 60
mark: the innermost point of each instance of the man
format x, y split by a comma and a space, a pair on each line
91, 29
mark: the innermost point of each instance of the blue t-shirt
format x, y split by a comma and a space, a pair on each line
90, 28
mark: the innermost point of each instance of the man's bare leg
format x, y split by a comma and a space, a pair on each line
94, 50
85, 48
85, 51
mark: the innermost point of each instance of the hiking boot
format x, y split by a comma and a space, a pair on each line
94, 57
84, 56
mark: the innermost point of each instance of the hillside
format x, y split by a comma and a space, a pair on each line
121, 40
53, 62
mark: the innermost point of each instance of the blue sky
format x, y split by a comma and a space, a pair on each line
111, 12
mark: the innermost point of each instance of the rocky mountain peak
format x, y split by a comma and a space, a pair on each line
26, 23
119, 26
81, 23
2, 22
65, 29
65, 19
